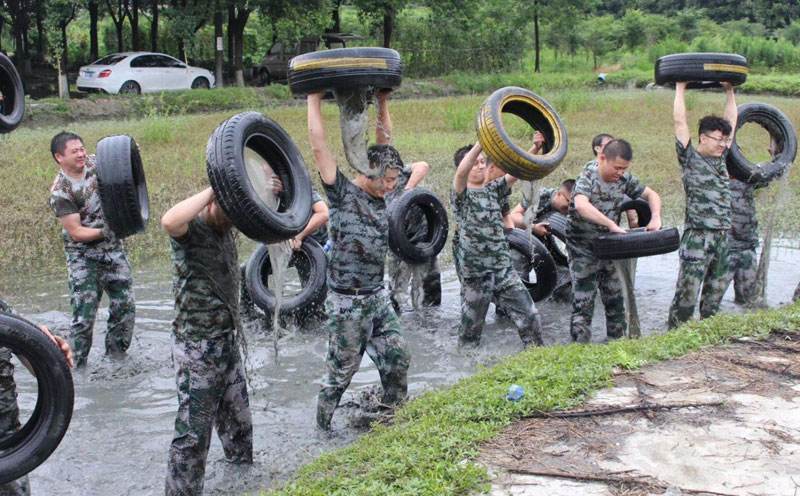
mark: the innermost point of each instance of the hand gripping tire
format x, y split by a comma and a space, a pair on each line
238, 183
534, 110
12, 108
121, 184
636, 243
642, 208
556, 242
345, 68
541, 262
310, 262
29, 447
411, 250
781, 131
701, 70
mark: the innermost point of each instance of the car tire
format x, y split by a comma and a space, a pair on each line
534, 110
201, 83
130, 88
636, 244
264, 78
701, 70
780, 129
236, 192
414, 251
309, 260
121, 185
556, 242
541, 262
13, 105
344, 68
32, 444
642, 208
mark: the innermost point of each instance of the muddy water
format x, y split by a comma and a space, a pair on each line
124, 410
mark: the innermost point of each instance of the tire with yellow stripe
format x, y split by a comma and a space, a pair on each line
701, 70
345, 68
534, 110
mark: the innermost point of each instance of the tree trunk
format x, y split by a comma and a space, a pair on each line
231, 16
236, 25
337, 20
219, 54
181, 50
388, 25
94, 51
135, 41
536, 45
40, 35
119, 20
63, 80
2, 23
154, 26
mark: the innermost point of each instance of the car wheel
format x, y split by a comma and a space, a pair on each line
130, 88
200, 83
264, 78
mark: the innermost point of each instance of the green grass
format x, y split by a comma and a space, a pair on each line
429, 448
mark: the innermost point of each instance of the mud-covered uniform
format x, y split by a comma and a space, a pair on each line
212, 390
360, 316
486, 270
704, 244
588, 272
93, 267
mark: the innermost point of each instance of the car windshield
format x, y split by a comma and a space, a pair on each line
109, 60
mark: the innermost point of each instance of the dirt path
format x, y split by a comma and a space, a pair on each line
720, 421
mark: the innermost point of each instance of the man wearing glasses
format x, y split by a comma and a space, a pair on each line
704, 245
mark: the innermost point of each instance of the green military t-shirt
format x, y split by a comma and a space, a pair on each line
707, 188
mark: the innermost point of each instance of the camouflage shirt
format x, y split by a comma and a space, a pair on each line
70, 196
707, 188
205, 283
744, 224
482, 245
605, 197
360, 230
321, 234
545, 205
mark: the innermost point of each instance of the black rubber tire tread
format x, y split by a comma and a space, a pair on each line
558, 230
542, 263
30, 446
122, 186
198, 86
13, 95
701, 70
234, 192
345, 68
636, 244
534, 110
780, 129
642, 208
436, 217
313, 293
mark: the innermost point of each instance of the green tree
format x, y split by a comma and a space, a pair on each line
381, 13
59, 14
602, 36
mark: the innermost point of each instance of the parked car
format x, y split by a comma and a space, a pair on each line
274, 67
141, 72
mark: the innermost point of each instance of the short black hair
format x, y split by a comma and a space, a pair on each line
598, 140
711, 123
458, 156
59, 142
618, 148
568, 184
384, 157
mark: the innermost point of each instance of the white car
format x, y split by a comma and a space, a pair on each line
141, 72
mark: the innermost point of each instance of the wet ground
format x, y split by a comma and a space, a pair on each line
124, 410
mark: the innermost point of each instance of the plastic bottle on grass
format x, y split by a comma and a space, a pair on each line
515, 392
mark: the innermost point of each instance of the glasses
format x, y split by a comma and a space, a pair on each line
725, 140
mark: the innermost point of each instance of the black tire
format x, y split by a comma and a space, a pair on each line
534, 110
264, 78
636, 244
345, 68
309, 261
780, 129
30, 446
130, 88
541, 262
201, 83
12, 109
412, 250
642, 208
235, 190
122, 186
556, 242
701, 70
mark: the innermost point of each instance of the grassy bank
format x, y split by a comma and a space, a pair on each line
173, 150
428, 449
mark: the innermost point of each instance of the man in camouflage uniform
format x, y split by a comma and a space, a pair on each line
595, 210
476, 176
486, 270
424, 278
96, 259
205, 349
360, 316
704, 244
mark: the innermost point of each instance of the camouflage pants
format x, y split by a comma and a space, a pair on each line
424, 279
588, 275
742, 268
211, 391
9, 419
89, 276
357, 324
511, 298
704, 264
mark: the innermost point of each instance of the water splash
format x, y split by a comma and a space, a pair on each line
279, 255
354, 122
